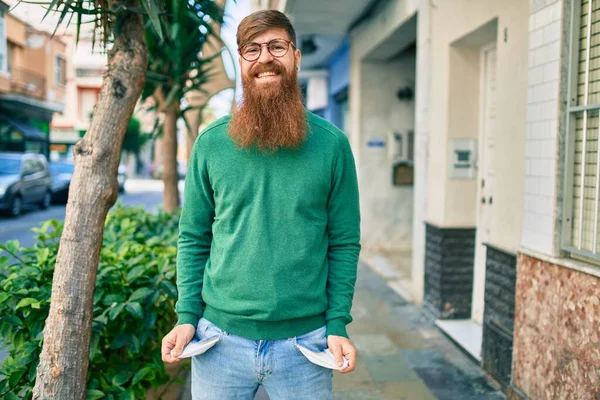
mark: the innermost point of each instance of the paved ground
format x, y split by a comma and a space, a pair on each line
401, 355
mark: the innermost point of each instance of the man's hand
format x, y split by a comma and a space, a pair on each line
175, 340
342, 347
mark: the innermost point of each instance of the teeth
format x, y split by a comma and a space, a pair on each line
263, 74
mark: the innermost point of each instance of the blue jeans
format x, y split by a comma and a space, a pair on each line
235, 367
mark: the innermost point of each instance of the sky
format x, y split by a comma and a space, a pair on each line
235, 11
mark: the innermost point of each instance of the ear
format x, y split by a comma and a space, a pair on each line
241, 63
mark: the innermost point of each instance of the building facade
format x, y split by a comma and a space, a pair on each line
85, 68
338, 86
32, 84
475, 131
556, 353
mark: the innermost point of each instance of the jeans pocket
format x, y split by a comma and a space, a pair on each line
314, 340
197, 347
207, 336
313, 346
207, 329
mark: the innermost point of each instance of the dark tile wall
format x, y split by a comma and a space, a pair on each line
499, 314
449, 259
500, 286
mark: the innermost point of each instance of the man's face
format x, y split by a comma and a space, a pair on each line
268, 69
271, 114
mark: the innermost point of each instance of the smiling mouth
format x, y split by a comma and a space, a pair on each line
266, 74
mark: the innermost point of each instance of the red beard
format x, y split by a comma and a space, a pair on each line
270, 115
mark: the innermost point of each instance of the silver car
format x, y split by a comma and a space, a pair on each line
24, 179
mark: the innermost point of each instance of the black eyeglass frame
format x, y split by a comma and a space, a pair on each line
260, 46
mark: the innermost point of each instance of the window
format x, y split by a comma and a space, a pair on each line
582, 178
88, 72
87, 101
10, 56
39, 166
10, 166
60, 70
3, 55
29, 167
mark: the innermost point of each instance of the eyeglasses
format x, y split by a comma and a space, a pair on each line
276, 47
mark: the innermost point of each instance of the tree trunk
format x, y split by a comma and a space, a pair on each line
170, 174
63, 366
193, 118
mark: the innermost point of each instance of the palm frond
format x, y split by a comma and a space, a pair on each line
153, 9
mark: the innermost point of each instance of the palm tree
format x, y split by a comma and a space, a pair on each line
62, 370
220, 81
177, 67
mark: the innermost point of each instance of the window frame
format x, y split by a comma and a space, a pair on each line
3, 43
572, 111
57, 71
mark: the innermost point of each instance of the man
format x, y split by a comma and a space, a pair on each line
269, 235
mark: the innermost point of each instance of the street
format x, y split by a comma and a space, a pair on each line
146, 193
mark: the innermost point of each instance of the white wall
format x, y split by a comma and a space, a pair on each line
444, 111
373, 32
422, 90
364, 39
540, 221
454, 111
458, 207
387, 210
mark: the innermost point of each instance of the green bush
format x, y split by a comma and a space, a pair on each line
133, 305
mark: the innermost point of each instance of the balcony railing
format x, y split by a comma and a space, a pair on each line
27, 83
89, 72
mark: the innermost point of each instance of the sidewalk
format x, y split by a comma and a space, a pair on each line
401, 355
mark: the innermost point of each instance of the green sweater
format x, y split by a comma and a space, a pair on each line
269, 242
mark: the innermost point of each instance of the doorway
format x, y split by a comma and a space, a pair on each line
481, 63
486, 176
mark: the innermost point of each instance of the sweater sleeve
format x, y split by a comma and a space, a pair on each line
195, 237
343, 228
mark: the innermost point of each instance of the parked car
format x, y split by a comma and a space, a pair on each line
24, 179
61, 173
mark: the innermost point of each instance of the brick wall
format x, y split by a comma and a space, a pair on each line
500, 281
545, 31
449, 257
499, 315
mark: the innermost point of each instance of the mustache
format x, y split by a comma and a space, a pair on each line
272, 67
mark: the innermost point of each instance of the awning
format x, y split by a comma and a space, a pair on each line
29, 131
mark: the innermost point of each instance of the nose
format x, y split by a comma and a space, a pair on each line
265, 56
